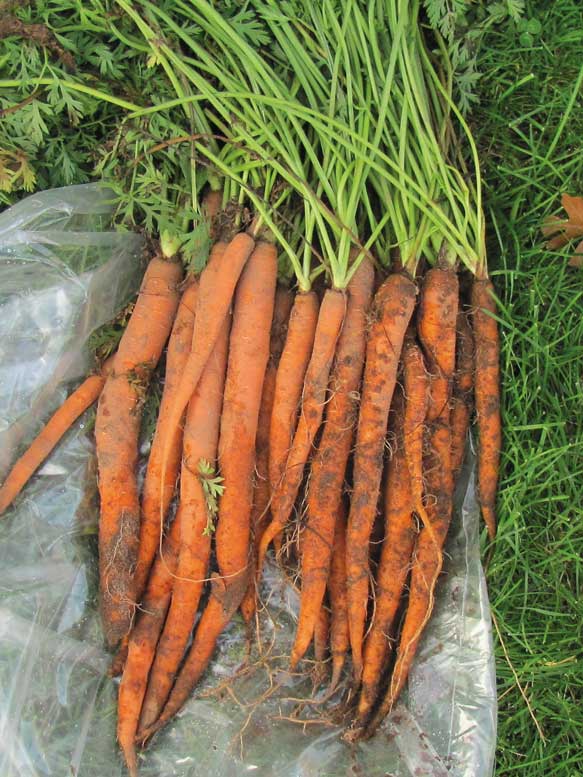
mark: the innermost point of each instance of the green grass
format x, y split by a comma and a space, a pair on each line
530, 130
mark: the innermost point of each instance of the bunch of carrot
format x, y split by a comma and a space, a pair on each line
353, 398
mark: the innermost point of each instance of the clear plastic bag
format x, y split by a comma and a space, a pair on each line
57, 706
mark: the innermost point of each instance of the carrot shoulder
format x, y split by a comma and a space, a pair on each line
155, 503
59, 423
487, 396
392, 311
329, 464
117, 430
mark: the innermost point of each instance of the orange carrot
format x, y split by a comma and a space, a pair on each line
416, 383
216, 287
201, 434
395, 561
462, 400
248, 355
289, 381
262, 491
59, 423
155, 504
487, 395
392, 310
339, 637
329, 464
427, 561
322, 634
328, 328
117, 429
142, 644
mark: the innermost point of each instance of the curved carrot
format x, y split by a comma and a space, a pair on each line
248, 355
392, 311
339, 636
59, 423
201, 434
329, 464
427, 561
117, 428
462, 400
289, 381
328, 328
262, 491
487, 395
216, 288
142, 644
155, 504
395, 562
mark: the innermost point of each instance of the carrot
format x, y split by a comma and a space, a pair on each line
201, 433
487, 396
117, 429
322, 634
329, 464
289, 381
427, 560
216, 287
262, 491
248, 355
339, 636
397, 549
392, 311
59, 423
155, 504
462, 400
416, 384
142, 644
330, 320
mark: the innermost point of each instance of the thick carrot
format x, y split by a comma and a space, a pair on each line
339, 636
59, 423
427, 561
463, 385
117, 430
154, 502
289, 382
262, 491
487, 396
328, 328
142, 644
329, 464
392, 311
201, 434
248, 355
216, 288
395, 561
416, 384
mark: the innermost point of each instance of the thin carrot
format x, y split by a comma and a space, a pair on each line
392, 311
290, 380
117, 429
487, 395
216, 287
59, 423
155, 503
462, 399
395, 562
262, 491
416, 384
201, 434
248, 355
330, 320
322, 634
329, 464
427, 561
142, 644
339, 636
